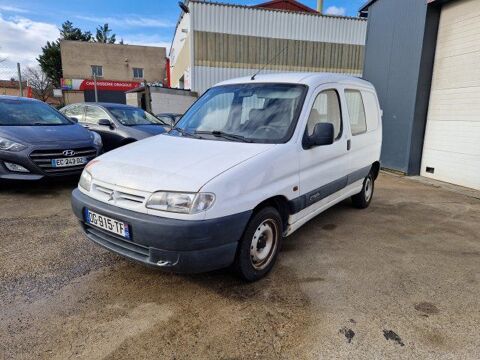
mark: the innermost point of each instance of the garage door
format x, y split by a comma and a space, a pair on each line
451, 150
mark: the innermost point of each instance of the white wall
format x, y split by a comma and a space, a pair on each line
171, 103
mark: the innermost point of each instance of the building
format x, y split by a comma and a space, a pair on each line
118, 68
162, 99
12, 87
214, 42
423, 57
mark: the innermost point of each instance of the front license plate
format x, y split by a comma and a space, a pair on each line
69, 162
106, 223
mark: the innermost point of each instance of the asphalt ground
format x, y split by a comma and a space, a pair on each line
400, 279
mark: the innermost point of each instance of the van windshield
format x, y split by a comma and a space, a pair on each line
261, 113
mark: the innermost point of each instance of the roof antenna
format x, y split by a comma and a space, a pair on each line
269, 62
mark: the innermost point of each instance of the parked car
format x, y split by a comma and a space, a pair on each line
117, 124
249, 163
37, 141
169, 118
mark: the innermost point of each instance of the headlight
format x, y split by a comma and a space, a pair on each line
85, 180
185, 203
9, 145
97, 139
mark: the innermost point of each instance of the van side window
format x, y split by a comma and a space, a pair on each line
356, 111
326, 109
371, 110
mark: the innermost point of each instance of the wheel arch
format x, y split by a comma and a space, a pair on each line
375, 169
280, 203
127, 141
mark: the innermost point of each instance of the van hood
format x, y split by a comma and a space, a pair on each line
172, 163
33, 135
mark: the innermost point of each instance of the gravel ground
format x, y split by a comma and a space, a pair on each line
398, 280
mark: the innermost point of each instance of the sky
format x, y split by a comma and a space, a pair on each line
25, 26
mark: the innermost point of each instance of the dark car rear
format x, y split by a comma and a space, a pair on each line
37, 141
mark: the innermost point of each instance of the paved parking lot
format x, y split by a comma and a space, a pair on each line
398, 280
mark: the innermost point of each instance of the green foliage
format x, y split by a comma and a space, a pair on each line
50, 62
103, 35
69, 32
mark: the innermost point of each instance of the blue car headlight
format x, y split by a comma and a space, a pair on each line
9, 145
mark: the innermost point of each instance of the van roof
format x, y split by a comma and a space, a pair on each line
310, 79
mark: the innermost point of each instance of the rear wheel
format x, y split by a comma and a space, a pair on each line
363, 198
259, 246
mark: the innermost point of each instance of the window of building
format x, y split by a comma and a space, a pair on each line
138, 73
326, 109
356, 111
97, 70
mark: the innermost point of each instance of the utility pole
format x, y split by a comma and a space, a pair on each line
148, 98
20, 85
95, 86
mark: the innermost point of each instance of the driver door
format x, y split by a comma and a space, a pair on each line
109, 135
324, 169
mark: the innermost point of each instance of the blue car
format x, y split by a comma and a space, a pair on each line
37, 141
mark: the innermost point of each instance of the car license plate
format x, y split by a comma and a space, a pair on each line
69, 162
106, 223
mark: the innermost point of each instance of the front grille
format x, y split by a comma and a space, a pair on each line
43, 159
117, 244
119, 195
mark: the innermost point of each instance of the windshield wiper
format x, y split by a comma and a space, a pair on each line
185, 133
225, 135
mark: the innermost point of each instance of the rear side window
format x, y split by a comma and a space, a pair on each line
371, 110
76, 111
326, 109
356, 111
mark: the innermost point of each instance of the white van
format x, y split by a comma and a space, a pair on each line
248, 164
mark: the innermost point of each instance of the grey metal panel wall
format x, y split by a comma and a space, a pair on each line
393, 61
251, 21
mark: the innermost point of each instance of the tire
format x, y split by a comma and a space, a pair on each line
258, 249
363, 199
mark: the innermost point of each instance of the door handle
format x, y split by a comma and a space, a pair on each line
349, 144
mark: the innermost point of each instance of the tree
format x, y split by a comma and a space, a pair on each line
39, 82
50, 60
69, 32
103, 35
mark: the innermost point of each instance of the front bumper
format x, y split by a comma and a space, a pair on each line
181, 246
24, 159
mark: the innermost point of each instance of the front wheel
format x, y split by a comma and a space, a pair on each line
363, 198
259, 246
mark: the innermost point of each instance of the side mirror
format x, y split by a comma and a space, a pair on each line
323, 134
105, 122
74, 119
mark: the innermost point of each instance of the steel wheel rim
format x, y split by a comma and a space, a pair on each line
264, 244
368, 188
